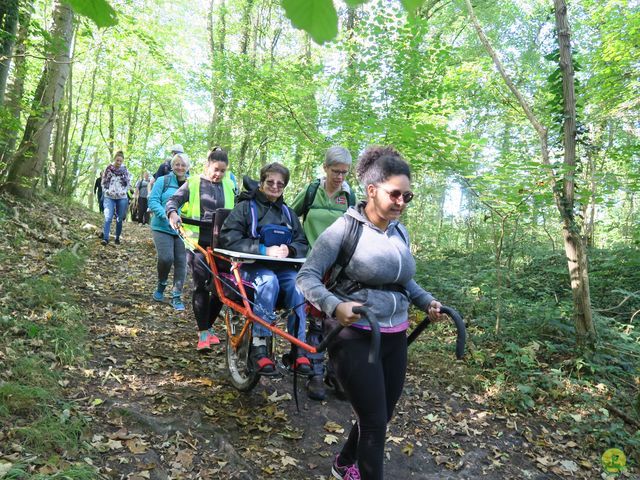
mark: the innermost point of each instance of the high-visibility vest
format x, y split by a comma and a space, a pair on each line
191, 209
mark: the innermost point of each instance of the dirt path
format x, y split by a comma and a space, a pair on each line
160, 410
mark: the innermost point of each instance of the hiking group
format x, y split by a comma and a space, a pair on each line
362, 249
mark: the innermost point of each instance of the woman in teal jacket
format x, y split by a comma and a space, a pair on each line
169, 246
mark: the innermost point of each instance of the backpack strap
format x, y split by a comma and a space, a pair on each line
309, 197
254, 218
287, 213
351, 200
350, 239
165, 183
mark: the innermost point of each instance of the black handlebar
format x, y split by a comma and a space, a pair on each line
374, 346
457, 319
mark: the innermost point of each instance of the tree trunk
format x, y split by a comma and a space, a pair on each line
85, 124
564, 197
217, 39
13, 99
28, 162
8, 24
574, 246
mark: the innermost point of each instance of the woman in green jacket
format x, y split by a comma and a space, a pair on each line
320, 204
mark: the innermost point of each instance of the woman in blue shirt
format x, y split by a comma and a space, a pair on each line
169, 246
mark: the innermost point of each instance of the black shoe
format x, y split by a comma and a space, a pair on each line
117, 241
261, 361
105, 242
315, 388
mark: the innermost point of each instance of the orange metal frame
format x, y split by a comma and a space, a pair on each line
244, 308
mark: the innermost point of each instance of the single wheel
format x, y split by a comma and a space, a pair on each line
241, 374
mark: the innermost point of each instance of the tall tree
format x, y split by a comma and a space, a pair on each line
29, 160
13, 100
8, 26
563, 189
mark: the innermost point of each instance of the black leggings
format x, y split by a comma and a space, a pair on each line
373, 390
206, 305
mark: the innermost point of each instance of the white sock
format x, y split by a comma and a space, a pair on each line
259, 341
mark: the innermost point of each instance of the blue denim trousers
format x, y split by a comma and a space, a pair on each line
119, 206
276, 285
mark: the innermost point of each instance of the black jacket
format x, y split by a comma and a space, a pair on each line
236, 230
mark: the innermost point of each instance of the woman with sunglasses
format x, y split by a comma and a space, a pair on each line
379, 277
320, 204
246, 229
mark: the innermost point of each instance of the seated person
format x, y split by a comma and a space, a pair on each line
262, 224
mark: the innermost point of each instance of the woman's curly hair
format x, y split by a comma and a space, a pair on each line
377, 164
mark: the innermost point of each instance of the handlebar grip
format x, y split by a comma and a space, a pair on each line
329, 338
459, 322
374, 346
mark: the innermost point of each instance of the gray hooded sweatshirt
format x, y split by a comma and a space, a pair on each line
380, 258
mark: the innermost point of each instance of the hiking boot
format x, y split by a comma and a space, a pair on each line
117, 241
203, 342
332, 381
345, 472
158, 295
104, 242
302, 365
213, 338
263, 364
315, 388
176, 302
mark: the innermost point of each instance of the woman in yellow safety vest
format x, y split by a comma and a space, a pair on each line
199, 199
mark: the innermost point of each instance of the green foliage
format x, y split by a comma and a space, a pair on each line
39, 292
22, 400
317, 17
74, 472
99, 11
67, 264
53, 433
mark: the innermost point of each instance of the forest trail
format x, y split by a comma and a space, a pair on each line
161, 410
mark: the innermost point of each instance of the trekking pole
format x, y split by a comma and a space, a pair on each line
457, 319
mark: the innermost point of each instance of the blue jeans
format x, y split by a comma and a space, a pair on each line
119, 206
276, 284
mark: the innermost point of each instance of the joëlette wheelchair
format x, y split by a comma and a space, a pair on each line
237, 295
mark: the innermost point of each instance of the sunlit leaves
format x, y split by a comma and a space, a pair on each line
412, 5
355, 3
102, 14
317, 17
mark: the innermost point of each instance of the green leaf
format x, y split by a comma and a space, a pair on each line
411, 5
102, 14
355, 3
316, 17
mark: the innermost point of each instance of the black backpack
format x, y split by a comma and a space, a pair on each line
310, 196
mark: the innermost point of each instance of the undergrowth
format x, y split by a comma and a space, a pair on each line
41, 333
532, 364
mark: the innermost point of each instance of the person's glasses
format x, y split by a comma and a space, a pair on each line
396, 194
273, 183
339, 173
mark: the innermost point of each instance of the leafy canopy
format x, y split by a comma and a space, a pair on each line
319, 18
102, 14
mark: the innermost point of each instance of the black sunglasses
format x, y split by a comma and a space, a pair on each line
396, 194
